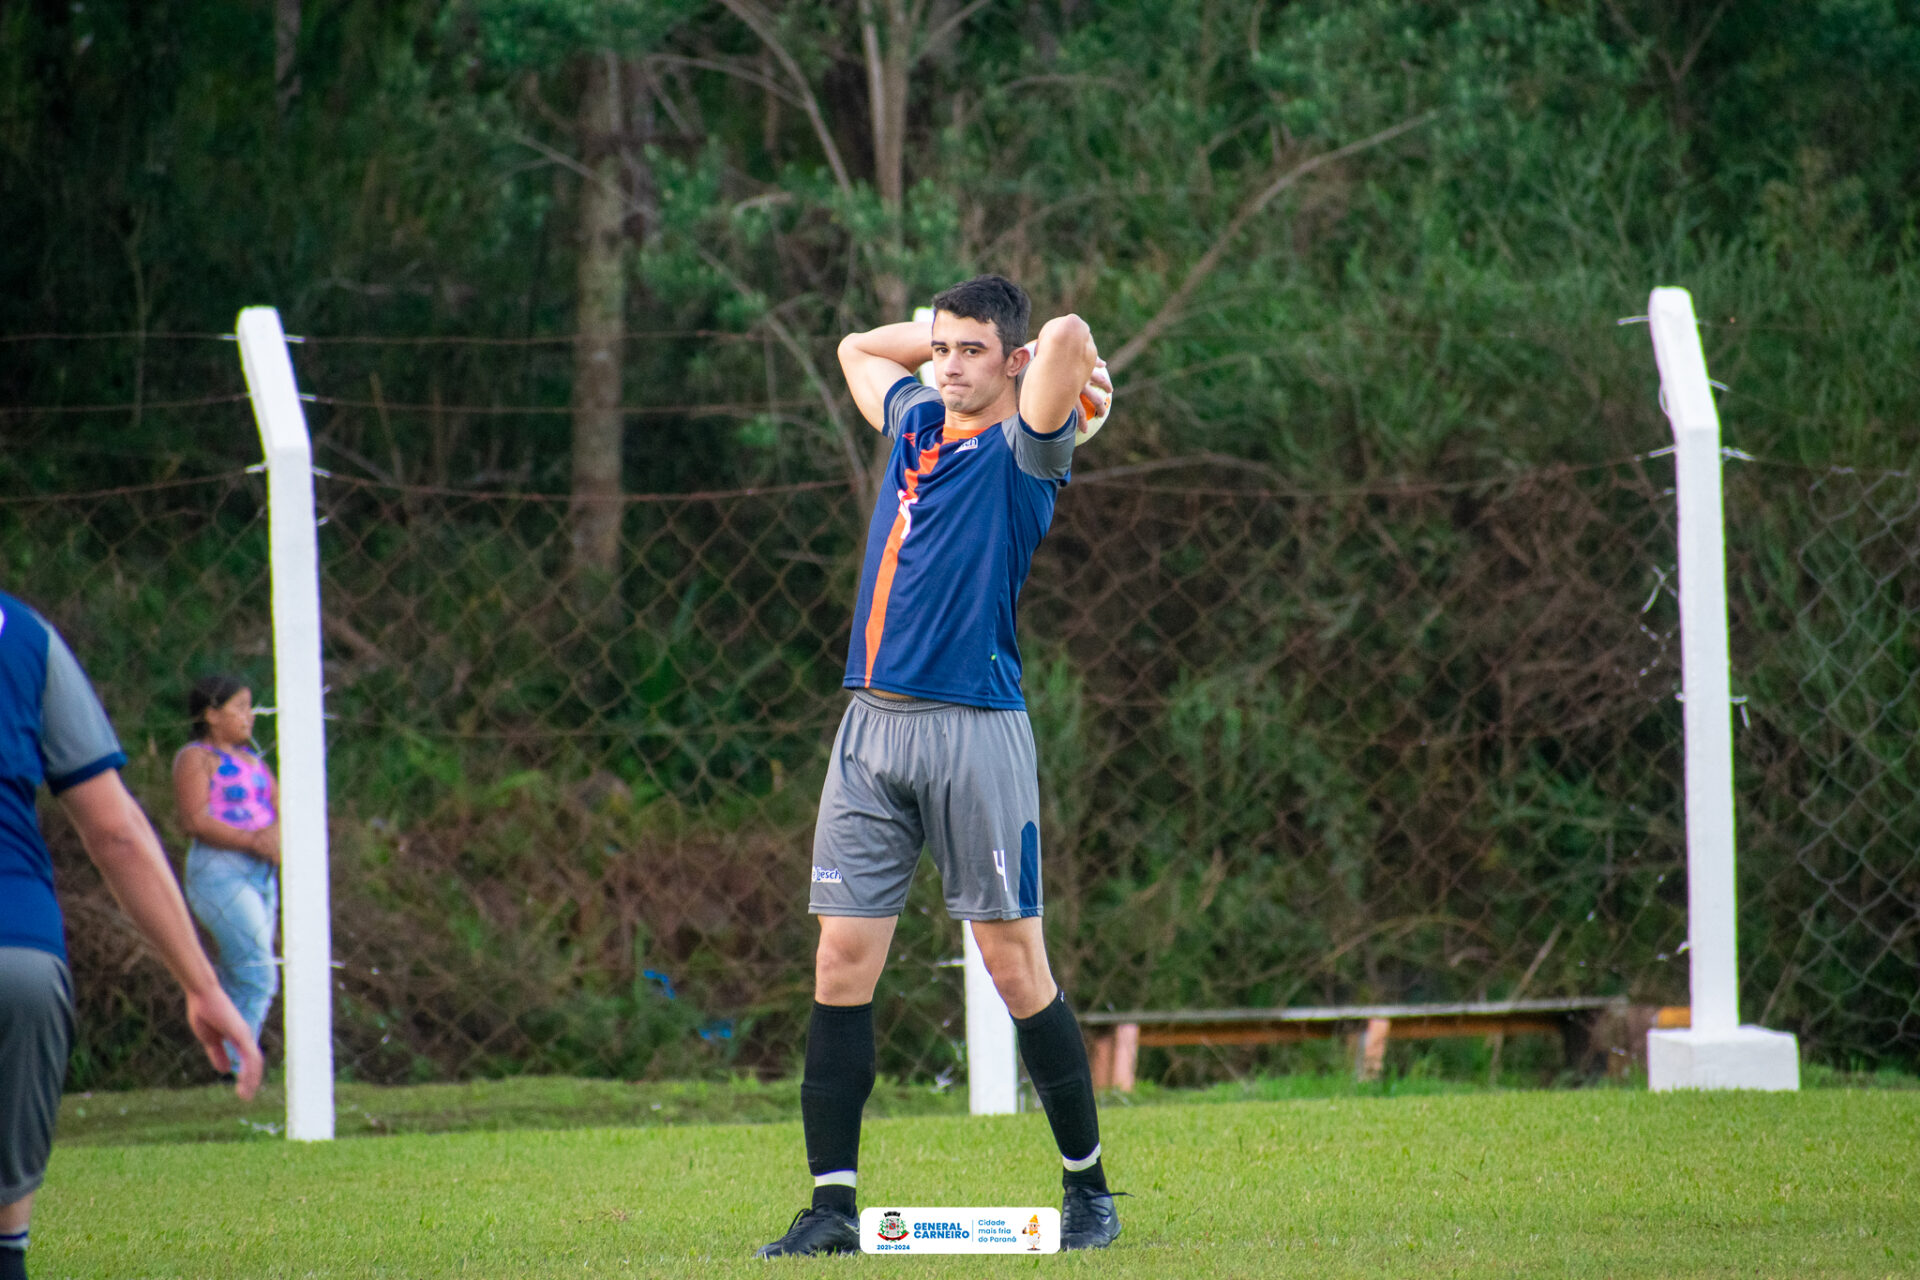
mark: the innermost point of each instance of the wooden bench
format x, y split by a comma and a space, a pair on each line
1119, 1037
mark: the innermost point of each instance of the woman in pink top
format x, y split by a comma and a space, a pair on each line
228, 803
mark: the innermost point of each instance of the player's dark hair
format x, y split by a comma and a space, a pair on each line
995, 300
208, 693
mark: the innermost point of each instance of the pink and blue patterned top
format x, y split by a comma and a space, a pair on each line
240, 793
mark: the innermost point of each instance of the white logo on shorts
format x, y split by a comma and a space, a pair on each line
826, 875
1000, 865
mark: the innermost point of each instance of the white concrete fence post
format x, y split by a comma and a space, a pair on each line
993, 1073
1715, 1052
993, 1076
294, 553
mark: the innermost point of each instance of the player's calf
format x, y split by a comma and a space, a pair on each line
1056, 1058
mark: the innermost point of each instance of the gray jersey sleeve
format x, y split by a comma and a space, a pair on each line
1044, 457
77, 740
902, 396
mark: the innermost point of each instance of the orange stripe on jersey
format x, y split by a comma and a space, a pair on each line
890, 555
951, 432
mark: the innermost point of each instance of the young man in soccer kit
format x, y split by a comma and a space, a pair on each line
53, 730
935, 747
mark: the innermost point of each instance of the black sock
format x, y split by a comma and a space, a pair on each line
13, 1256
1056, 1059
834, 1090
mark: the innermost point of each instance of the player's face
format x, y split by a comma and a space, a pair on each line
969, 368
232, 720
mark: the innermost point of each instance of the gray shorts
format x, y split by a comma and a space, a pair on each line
36, 1030
960, 780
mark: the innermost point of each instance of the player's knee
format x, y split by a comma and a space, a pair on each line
1026, 995
843, 974
1023, 980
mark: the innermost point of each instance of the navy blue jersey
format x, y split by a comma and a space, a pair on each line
52, 730
949, 550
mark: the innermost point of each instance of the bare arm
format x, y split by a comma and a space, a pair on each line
1063, 363
873, 361
123, 846
192, 775
271, 836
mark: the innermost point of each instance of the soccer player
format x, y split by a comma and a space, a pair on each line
53, 730
935, 747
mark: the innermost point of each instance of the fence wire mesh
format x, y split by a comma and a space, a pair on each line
1397, 743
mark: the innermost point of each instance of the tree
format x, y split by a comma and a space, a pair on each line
286, 53
600, 334
597, 47
895, 35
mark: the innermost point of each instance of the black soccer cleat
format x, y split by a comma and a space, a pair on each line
1088, 1219
818, 1231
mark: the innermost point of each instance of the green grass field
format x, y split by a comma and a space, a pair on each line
1606, 1182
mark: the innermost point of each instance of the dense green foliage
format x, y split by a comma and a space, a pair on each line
1440, 300
1349, 244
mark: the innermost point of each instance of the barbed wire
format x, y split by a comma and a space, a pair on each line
131, 406
1119, 477
1438, 329
1109, 476
111, 334
371, 483
534, 340
732, 408
123, 491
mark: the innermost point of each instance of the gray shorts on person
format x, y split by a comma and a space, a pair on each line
961, 781
36, 1031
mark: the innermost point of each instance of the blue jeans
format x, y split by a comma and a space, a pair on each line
236, 898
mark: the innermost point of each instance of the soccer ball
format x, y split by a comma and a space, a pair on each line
1096, 406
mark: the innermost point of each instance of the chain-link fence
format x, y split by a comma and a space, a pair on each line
1395, 743
1824, 587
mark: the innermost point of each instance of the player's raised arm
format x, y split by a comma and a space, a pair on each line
873, 361
1062, 364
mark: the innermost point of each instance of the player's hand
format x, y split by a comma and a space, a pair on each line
1096, 403
1099, 387
1101, 378
217, 1024
266, 844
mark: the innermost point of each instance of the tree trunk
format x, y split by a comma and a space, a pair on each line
642, 128
600, 325
889, 57
286, 50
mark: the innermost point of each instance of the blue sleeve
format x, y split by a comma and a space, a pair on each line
904, 395
77, 741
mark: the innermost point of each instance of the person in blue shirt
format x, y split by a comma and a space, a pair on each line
53, 730
935, 748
